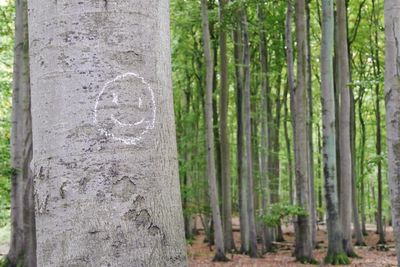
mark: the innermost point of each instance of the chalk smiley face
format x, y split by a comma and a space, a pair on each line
125, 108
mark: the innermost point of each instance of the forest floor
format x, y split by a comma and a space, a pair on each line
199, 253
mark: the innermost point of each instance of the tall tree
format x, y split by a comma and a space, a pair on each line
23, 236
247, 131
313, 210
392, 97
291, 89
335, 253
223, 125
378, 145
212, 181
304, 246
344, 128
265, 144
104, 150
240, 155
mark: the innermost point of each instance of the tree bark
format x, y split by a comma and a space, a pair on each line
335, 249
291, 87
313, 210
392, 98
212, 181
23, 235
104, 149
344, 128
225, 160
303, 251
247, 131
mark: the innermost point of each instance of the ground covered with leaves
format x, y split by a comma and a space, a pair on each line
372, 255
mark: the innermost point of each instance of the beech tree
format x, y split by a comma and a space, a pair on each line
104, 149
23, 237
392, 97
335, 253
344, 128
304, 244
212, 181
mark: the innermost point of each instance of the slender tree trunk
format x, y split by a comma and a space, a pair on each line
304, 246
354, 200
104, 155
238, 53
267, 238
23, 235
225, 164
247, 130
212, 182
335, 249
313, 213
344, 128
377, 73
392, 97
291, 87
362, 153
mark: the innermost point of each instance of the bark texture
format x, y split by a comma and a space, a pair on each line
223, 125
392, 97
344, 128
23, 236
238, 53
265, 144
247, 131
304, 244
335, 248
212, 180
104, 154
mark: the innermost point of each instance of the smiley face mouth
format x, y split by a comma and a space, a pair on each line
116, 121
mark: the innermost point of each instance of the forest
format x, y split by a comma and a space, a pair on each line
199, 133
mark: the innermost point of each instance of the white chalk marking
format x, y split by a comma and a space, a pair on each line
150, 123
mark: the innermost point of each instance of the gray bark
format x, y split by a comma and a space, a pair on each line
392, 97
313, 210
344, 128
104, 149
329, 137
247, 131
225, 159
291, 89
212, 181
304, 244
265, 144
23, 237
238, 53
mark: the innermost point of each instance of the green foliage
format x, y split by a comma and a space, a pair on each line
337, 259
306, 260
4, 262
278, 211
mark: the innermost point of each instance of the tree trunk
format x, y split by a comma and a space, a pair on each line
362, 153
392, 97
335, 249
225, 164
304, 246
212, 181
106, 174
247, 131
238, 53
267, 238
291, 87
23, 235
344, 128
354, 200
313, 210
